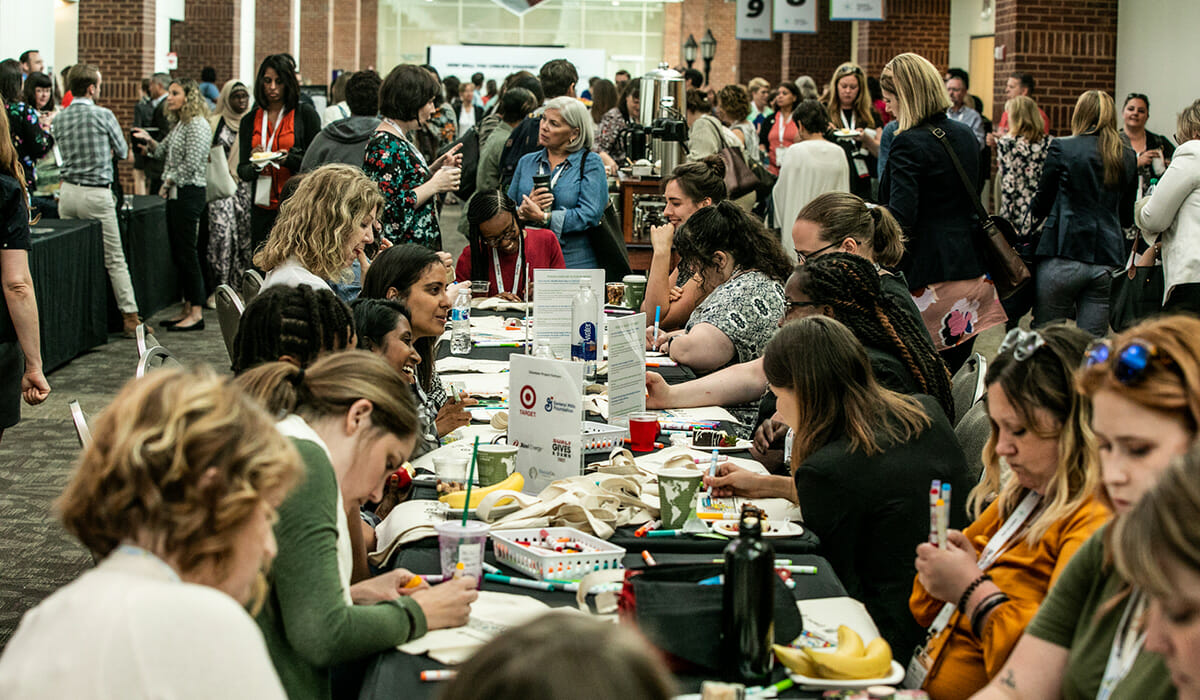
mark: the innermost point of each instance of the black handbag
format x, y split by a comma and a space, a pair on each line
607, 239
996, 234
1136, 293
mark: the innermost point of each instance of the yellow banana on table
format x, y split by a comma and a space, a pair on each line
458, 499
850, 661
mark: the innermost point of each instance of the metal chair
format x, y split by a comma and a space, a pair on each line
155, 357
229, 313
967, 386
973, 432
145, 339
81, 426
251, 283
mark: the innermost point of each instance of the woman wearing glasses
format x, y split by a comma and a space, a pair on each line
1087, 638
501, 251
977, 593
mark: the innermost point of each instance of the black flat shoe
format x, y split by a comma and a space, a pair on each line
168, 323
197, 326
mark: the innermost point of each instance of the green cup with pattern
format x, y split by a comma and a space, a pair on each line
677, 488
494, 463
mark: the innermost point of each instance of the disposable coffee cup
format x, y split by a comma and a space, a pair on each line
451, 468
635, 290
494, 463
677, 489
480, 288
459, 543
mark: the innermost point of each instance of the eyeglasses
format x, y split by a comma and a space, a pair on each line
1131, 363
789, 306
803, 257
1022, 343
512, 233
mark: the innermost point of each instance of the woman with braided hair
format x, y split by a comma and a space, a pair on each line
862, 460
291, 324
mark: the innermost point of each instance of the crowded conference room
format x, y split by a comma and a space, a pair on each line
599, 349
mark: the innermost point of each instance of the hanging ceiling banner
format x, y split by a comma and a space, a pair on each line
841, 10
796, 16
754, 20
517, 7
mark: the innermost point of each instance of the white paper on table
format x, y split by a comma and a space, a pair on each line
460, 447
456, 363
822, 616
703, 413
483, 384
626, 365
491, 614
498, 304
554, 290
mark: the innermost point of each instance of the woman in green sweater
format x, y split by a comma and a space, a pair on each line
1087, 639
352, 419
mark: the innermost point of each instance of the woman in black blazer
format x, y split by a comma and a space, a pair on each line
923, 190
1086, 197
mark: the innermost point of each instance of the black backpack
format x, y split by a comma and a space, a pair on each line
470, 162
522, 140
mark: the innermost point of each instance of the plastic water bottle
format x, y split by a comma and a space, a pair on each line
460, 323
1150, 189
748, 609
583, 330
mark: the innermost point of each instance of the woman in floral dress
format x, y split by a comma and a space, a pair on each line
228, 251
1020, 155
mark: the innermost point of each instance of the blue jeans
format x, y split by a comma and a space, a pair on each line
1072, 289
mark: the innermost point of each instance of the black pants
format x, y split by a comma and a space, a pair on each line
261, 223
183, 222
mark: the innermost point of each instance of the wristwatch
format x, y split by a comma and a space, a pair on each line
546, 219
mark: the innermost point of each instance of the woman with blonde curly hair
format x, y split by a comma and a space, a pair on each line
175, 497
185, 175
322, 229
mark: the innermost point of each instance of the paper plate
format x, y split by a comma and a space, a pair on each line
892, 678
741, 445
497, 512
729, 528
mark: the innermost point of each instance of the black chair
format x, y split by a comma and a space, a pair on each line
251, 283
973, 432
229, 313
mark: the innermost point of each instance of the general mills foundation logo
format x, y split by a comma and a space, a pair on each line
528, 401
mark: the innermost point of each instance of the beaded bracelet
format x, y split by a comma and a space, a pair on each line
985, 606
962, 602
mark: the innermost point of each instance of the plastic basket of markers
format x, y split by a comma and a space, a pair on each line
562, 553
601, 438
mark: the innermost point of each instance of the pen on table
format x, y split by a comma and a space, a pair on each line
648, 559
719, 458
487, 344
520, 582
712, 472
491, 568
657, 318
779, 687
651, 525
811, 570
663, 533
657, 445
441, 674
778, 562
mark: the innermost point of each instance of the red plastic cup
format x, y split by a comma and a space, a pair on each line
643, 431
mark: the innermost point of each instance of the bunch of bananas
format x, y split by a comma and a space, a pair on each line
850, 661
458, 499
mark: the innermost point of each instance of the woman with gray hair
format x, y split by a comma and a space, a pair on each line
571, 188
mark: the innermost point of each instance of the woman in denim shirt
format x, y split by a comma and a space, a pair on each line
574, 201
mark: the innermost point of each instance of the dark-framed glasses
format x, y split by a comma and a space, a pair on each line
1129, 364
803, 257
1023, 343
510, 234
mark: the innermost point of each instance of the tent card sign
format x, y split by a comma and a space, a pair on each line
626, 366
553, 292
545, 419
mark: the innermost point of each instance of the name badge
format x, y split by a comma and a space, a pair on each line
860, 167
918, 669
262, 191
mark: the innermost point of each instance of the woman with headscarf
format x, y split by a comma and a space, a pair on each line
228, 250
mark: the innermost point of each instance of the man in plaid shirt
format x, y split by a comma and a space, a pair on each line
88, 136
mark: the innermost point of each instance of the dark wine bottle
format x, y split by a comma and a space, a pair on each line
748, 610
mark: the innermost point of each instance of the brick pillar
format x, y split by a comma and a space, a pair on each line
117, 36
1068, 47
316, 40
369, 36
916, 26
210, 35
272, 29
817, 55
347, 18
694, 17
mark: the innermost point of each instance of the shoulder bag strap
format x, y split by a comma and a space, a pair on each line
940, 135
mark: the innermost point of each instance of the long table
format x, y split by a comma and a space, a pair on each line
66, 261
148, 255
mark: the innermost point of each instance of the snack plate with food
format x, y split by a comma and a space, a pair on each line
847, 133
708, 440
262, 158
851, 664
729, 528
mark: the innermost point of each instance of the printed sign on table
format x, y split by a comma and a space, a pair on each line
626, 366
855, 10
553, 293
796, 16
545, 419
754, 20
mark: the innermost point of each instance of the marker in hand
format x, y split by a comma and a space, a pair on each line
657, 318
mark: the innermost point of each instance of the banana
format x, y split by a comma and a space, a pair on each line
849, 643
795, 660
875, 662
457, 499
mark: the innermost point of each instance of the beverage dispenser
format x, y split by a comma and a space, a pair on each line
663, 99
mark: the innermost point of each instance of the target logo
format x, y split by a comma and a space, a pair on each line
528, 397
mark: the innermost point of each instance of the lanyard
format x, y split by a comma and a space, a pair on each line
500, 276
1126, 646
415, 151
269, 143
852, 119
992, 552
783, 126
555, 173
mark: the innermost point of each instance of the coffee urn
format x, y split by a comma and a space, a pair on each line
663, 99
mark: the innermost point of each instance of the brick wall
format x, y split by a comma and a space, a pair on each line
818, 55
917, 26
344, 53
368, 37
117, 36
694, 17
272, 29
761, 59
208, 36
316, 37
1068, 47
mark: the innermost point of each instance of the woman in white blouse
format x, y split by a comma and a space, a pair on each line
175, 497
185, 174
1174, 211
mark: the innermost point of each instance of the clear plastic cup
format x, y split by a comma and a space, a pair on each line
459, 543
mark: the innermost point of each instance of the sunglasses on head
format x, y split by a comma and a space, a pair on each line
1022, 343
1131, 363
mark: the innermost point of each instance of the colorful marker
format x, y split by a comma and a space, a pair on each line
651, 525
414, 582
648, 559
663, 533
441, 674
520, 582
657, 318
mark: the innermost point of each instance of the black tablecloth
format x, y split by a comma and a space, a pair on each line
395, 674
67, 264
148, 255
